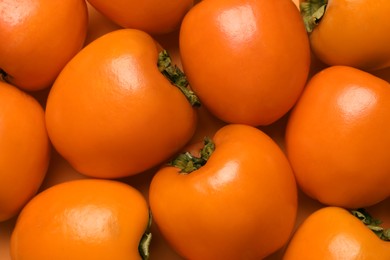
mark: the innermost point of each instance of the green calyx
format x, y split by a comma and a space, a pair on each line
372, 223
312, 12
144, 244
176, 77
188, 163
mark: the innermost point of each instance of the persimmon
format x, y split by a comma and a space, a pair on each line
25, 149
83, 219
351, 33
248, 61
236, 198
336, 138
39, 37
334, 233
113, 112
152, 16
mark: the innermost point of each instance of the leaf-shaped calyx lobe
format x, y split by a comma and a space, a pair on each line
144, 245
176, 77
312, 12
188, 163
372, 224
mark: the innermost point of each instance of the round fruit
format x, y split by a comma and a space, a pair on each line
236, 200
24, 149
350, 33
248, 61
333, 233
337, 139
112, 113
151, 16
82, 219
39, 37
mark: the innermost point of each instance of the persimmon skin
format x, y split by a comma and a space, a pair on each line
336, 138
81, 219
152, 16
40, 37
353, 33
333, 233
111, 113
25, 149
248, 61
241, 204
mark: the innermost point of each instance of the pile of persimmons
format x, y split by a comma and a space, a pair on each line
181, 129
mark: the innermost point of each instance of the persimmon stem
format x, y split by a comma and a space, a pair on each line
144, 244
312, 12
188, 163
372, 223
176, 77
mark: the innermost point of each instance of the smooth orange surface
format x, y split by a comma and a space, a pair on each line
25, 149
337, 139
333, 233
226, 205
152, 16
81, 219
40, 37
247, 61
111, 113
354, 33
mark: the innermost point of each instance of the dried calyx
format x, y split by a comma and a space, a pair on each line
176, 77
188, 163
312, 12
372, 223
144, 244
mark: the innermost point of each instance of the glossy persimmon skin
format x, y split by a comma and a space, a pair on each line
111, 113
241, 204
39, 38
247, 61
336, 138
333, 233
151, 16
24, 149
81, 219
353, 33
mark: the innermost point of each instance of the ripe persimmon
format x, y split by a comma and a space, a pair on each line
337, 139
334, 233
151, 16
38, 38
248, 61
350, 33
234, 199
25, 149
83, 219
112, 113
